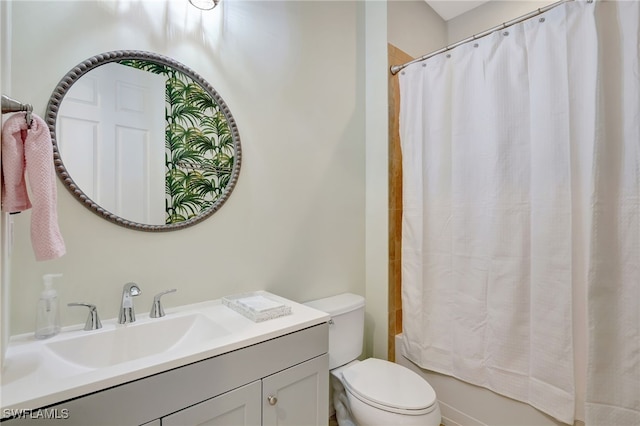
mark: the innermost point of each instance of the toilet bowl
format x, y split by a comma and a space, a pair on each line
372, 392
383, 393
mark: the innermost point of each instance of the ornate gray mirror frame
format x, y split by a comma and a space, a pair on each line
116, 56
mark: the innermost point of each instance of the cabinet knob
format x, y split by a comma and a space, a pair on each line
272, 400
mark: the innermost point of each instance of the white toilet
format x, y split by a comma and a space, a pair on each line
372, 392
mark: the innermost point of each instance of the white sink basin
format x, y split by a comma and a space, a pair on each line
40, 373
122, 343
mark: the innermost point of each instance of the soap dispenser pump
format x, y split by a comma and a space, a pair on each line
48, 313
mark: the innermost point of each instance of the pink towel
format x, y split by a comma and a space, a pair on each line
31, 151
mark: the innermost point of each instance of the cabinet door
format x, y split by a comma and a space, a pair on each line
239, 407
297, 396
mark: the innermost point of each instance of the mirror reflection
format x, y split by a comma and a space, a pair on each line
143, 141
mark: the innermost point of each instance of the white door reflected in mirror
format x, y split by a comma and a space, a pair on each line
111, 128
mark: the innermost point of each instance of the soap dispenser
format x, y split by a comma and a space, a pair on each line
48, 314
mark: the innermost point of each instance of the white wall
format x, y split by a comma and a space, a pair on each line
489, 15
415, 27
377, 179
295, 224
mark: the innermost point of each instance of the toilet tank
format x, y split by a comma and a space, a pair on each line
346, 328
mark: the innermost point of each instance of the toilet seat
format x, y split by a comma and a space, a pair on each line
390, 387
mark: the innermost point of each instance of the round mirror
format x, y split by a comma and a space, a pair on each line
143, 141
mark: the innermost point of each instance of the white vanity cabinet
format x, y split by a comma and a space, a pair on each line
281, 381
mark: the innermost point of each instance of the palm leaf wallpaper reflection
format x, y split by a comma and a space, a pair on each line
199, 152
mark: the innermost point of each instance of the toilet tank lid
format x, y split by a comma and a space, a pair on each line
338, 304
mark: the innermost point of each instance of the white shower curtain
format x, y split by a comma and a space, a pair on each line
521, 216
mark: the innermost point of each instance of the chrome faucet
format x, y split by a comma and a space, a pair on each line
127, 312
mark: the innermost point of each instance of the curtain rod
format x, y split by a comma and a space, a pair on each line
396, 68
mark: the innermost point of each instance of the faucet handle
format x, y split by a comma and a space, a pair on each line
93, 321
156, 308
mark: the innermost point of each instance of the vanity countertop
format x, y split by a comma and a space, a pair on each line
35, 376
